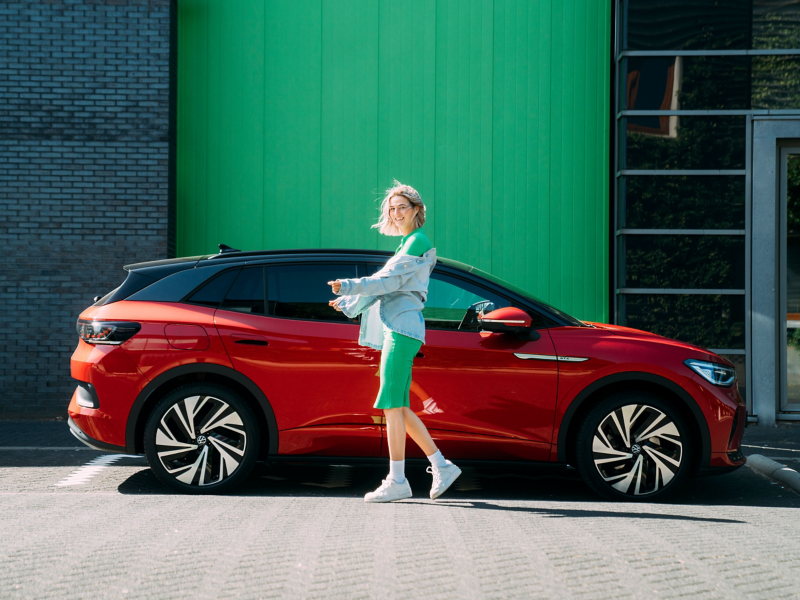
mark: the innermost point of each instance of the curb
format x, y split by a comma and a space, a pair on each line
774, 470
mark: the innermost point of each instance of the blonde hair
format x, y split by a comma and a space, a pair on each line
385, 225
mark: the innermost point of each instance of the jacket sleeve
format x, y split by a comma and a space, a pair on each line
375, 285
352, 306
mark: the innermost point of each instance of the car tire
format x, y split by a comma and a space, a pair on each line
634, 447
202, 439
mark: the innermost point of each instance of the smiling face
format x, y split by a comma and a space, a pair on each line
403, 214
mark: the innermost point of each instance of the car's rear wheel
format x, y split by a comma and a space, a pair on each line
634, 446
202, 439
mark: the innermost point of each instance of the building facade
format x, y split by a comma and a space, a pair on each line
707, 108
294, 116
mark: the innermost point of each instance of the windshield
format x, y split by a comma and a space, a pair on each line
517, 290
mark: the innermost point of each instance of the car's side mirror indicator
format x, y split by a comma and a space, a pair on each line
509, 319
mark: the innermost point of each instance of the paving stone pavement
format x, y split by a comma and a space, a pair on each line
305, 532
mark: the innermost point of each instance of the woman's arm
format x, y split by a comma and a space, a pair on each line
352, 306
375, 285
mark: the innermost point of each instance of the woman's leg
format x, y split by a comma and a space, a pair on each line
395, 486
416, 429
444, 472
396, 432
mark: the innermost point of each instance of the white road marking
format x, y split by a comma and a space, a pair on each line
90, 469
769, 448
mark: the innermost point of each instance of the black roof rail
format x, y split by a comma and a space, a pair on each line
232, 252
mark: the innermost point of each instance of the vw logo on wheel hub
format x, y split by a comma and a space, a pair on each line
201, 439
636, 449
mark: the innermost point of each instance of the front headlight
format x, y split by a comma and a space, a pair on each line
720, 375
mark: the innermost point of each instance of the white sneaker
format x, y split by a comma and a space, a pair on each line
443, 478
389, 491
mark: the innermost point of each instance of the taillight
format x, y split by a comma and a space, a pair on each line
106, 332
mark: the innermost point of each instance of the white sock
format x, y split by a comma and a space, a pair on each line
437, 460
397, 470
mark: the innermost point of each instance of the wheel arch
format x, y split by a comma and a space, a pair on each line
633, 381
200, 372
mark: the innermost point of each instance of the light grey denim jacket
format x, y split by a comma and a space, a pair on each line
394, 296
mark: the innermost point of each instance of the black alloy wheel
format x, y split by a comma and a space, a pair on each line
202, 439
634, 446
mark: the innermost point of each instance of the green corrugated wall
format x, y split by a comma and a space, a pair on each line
293, 115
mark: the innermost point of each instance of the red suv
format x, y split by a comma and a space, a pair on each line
208, 364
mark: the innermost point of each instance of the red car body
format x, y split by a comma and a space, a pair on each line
314, 386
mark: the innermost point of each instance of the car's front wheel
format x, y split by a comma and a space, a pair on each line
633, 446
202, 439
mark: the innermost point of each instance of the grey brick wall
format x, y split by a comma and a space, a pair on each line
85, 150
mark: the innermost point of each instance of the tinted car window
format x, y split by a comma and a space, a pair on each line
302, 291
451, 299
213, 292
174, 288
246, 295
454, 304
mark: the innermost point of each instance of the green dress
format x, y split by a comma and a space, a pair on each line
397, 355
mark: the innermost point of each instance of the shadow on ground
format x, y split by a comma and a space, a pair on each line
477, 486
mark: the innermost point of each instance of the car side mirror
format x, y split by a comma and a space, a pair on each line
509, 319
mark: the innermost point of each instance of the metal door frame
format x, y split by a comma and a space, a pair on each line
767, 298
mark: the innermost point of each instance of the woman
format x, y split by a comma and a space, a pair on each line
391, 303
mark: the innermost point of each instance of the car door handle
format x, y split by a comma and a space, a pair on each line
419, 355
252, 342
249, 340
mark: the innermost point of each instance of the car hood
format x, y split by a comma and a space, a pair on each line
629, 332
619, 329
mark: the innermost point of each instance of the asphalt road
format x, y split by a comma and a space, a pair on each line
110, 530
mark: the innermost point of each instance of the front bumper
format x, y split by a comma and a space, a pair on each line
91, 442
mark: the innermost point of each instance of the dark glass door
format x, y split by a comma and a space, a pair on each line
790, 276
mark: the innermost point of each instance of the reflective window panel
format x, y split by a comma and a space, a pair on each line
776, 82
682, 202
776, 24
683, 142
686, 83
683, 261
710, 83
713, 321
711, 24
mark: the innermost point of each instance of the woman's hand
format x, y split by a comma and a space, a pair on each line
335, 286
335, 304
